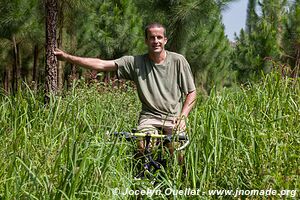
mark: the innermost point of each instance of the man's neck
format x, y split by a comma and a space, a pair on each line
158, 58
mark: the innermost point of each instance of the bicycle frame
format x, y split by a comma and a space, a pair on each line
151, 165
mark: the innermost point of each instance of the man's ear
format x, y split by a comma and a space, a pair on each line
166, 40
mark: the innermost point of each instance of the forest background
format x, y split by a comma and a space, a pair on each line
111, 29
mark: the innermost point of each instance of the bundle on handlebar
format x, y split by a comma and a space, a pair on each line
167, 138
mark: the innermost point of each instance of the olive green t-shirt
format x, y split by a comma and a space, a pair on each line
161, 88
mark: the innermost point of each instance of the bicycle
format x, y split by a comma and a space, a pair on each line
153, 163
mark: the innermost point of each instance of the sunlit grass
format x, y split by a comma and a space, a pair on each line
242, 138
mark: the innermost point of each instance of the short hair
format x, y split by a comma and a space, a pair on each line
154, 25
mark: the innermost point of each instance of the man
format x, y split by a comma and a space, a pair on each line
164, 82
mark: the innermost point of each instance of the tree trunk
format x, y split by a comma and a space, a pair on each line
297, 63
73, 75
51, 60
7, 79
34, 68
16, 72
15, 66
19, 67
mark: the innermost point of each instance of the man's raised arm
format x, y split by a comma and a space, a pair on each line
89, 63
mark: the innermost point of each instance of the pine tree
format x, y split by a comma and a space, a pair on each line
51, 60
16, 22
262, 40
291, 39
209, 54
114, 30
252, 17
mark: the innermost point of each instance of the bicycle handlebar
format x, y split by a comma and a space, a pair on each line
178, 137
129, 135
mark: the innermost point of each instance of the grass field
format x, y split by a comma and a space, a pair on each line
241, 139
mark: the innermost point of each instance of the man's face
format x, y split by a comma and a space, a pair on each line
156, 40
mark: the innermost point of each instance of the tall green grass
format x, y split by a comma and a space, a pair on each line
241, 138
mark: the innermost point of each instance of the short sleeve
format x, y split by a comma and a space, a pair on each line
125, 67
186, 79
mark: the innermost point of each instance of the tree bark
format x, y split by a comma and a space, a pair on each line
7, 79
51, 60
14, 83
34, 68
16, 76
73, 74
297, 63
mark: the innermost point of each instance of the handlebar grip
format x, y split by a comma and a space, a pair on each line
182, 136
127, 135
